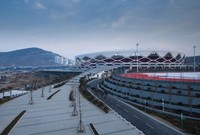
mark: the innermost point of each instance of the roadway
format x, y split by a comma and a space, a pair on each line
146, 124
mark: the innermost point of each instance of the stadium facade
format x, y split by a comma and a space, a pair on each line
172, 95
132, 58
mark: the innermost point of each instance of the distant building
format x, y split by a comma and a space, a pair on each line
57, 59
60, 60
63, 61
3, 77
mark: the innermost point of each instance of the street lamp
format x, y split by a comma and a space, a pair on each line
81, 127
42, 95
163, 105
145, 103
181, 120
10, 93
137, 55
194, 58
31, 102
74, 112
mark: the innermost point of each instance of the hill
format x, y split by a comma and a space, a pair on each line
27, 57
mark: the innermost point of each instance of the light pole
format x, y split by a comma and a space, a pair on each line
181, 120
42, 95
137, 55
75, 112
194, 59
50, 87
10, 93
31, 102
163, 105
81, 127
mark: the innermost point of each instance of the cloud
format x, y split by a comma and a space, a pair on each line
171, 1
75, 0
39, 5
26, 1
119, 23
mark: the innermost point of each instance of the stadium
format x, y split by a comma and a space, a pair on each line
159, 84
174, 92
132, 58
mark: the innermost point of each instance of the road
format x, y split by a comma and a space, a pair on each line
143, 122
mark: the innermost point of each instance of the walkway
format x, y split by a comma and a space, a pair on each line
54, 116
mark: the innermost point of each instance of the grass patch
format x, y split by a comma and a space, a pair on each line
7, 130
94, 129
83, 90
53, 94
7, 99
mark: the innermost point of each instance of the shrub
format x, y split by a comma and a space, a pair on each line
71, 96
137, 95
173, 87
197, 95
162, 91
179, 92
180, 103
149, 98
94, 101
138, 87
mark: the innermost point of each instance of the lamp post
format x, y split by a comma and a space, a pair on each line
81, 127
31, 102
10, 93
181, 120
74, 112
194, 59
42, 95
163, 105
137, 55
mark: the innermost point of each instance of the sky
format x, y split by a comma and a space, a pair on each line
73, 27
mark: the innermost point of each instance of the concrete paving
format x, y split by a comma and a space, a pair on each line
54, 116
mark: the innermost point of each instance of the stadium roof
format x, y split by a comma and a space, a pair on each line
131, 52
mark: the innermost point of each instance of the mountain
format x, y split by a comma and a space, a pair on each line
27, 57
40, 57
190, 60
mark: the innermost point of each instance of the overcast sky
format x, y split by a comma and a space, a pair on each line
72, 27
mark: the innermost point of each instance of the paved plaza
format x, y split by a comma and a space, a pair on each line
54, 116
